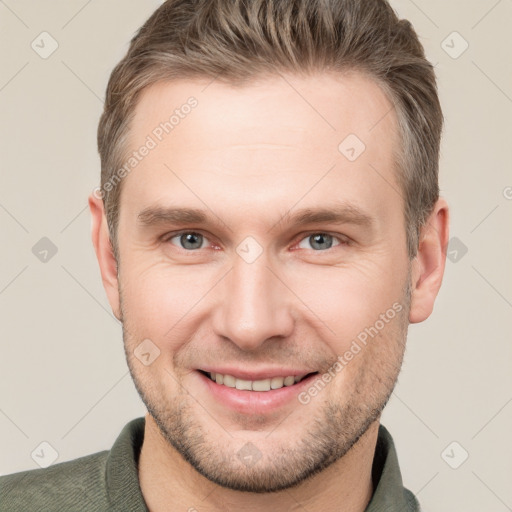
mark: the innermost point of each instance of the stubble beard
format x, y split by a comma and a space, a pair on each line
329, 436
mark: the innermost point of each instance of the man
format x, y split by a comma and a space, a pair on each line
267, 226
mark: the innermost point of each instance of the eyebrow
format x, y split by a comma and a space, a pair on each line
345, 213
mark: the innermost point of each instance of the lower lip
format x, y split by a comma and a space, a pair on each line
255, 402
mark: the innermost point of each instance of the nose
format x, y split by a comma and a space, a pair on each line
254, 305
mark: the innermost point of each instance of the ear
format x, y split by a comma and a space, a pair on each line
104, 253
429, 263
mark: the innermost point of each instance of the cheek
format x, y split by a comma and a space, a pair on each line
344, 302
157, 297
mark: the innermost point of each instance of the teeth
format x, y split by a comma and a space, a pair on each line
289, 381
243, 384
229, 381
277, 382
261, 385
255, 385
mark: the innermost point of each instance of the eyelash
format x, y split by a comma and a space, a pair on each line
343, 240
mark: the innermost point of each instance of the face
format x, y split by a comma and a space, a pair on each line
252, 246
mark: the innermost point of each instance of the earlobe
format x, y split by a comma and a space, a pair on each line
104, 253
429, 263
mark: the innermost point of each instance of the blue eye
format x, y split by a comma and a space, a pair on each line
189, 240
320, 241
193, 241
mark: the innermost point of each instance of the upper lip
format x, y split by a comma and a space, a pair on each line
260, 374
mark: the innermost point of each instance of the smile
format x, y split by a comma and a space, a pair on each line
255, 385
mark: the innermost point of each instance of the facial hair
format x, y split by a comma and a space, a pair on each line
333, 431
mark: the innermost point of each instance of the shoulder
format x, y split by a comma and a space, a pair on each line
74, 485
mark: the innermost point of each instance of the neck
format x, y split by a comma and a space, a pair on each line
170, 483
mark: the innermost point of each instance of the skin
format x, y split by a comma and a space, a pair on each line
248, 156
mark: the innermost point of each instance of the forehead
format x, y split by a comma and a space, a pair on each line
316, 106
272, 137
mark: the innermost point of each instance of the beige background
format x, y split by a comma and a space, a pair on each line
63, 375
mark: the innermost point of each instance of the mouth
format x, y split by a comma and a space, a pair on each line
267, 393
260, 385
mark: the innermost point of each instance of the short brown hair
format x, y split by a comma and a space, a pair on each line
235, 41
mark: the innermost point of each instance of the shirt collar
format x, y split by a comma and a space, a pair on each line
389, 494
121, 472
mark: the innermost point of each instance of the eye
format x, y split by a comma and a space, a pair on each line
188, 240
320, 241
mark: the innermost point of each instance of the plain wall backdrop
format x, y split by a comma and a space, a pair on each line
64, 380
